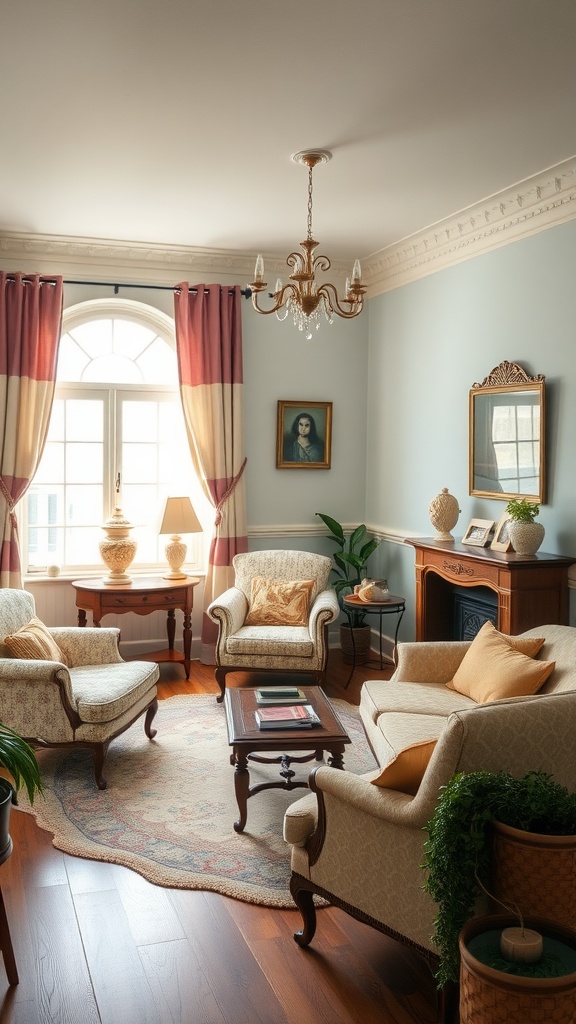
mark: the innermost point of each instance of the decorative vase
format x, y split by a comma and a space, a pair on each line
536, 873
526, 537
117, 549
444, 512
498, 997
360, 645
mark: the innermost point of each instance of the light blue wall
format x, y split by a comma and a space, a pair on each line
428, 343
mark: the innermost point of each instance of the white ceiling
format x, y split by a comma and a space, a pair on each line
175, 122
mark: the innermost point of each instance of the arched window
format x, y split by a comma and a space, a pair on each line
116, 436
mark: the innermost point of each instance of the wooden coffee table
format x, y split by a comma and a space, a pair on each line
248, 742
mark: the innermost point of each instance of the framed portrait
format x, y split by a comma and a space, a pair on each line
304, 435
501, 540
478, 532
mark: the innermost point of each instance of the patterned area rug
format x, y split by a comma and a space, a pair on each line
169, 807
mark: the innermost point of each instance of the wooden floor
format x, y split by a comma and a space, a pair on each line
95, 942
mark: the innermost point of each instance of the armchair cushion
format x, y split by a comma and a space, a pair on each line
493, 668
273, 603
34, 641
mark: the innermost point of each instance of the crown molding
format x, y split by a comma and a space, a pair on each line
532, 205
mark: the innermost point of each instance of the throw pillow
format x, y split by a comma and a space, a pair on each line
34, 641
273, 603
406, 771
494, 667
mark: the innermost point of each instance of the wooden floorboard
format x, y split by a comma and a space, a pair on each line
97, 944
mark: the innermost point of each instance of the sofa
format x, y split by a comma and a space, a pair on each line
359, 845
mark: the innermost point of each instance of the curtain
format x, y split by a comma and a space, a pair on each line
209, 346
30, 324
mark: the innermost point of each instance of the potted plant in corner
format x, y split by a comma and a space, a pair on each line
18, 760
526, 535
515, 841
350, 558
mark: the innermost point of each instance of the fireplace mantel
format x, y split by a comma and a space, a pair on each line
531, 590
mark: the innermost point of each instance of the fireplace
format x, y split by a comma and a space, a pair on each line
473, 606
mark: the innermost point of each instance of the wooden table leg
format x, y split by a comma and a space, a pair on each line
241, 788
81, 617
6, 946
187, 642
336, 759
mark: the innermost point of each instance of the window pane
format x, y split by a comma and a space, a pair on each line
84, 463
139, 463
71, 360
94, 337
56, 428
131, 339
51, 466
111, 369
84, 419
82, 545
85, 505
139, 421
158, 363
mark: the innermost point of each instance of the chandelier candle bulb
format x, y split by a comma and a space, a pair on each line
278, 287
259, 271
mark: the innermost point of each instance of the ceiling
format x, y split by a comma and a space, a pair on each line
175, 123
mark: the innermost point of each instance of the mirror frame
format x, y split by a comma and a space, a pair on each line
507, 378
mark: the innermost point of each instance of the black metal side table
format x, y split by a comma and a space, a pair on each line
394, 605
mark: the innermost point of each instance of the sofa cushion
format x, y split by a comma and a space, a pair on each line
273, 603
493, 668
405, 772
277, 641
34, 641
102, 696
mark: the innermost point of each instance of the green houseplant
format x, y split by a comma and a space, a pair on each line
350, 560
19, 760
459, 849
525, 534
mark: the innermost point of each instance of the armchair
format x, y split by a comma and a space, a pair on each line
87, 698
274, 648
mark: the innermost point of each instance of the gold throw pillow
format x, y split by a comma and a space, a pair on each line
406, 771
494, 667
273, 603
34, 641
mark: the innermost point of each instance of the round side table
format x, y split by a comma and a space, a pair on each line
394, 605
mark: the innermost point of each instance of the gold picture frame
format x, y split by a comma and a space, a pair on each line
304, 435
478, 532
501, 540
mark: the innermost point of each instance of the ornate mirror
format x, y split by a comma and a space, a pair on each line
507, 435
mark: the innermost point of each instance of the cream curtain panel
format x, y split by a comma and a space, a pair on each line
30, 324
209, 345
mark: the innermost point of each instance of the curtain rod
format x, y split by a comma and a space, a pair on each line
246, 292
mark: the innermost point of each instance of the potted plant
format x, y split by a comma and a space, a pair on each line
526, 535
351, 558
18, 760
463, 851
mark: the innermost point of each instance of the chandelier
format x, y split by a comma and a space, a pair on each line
303, 297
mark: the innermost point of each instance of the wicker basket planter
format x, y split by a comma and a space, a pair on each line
535, 872
489, 996
360, 645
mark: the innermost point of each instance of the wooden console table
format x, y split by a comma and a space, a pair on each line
532, 590
142, 596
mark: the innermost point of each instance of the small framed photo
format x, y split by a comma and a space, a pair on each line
304, 435
501, 541
478, 532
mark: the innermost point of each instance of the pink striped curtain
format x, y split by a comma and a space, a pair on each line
209, 344
30, 323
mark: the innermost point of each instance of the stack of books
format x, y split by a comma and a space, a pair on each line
293, 716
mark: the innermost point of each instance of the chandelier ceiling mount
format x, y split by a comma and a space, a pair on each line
303, 296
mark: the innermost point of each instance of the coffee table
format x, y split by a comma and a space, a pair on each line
248, 742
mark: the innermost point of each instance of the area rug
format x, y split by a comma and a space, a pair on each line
169, 808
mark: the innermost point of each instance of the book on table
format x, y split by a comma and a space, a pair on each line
292, 716
280, 695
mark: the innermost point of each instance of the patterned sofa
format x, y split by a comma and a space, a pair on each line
82, 692
360, 845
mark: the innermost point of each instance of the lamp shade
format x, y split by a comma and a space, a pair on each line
179, 517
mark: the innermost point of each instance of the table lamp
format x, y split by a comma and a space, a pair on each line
178, 517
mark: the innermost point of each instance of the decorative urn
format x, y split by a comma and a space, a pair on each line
117, 548
444, 512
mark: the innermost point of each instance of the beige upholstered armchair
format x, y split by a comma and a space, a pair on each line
271, 644
65, 686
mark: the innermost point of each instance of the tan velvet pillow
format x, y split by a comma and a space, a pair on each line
495, 667
406, 771
273, 603
34, 641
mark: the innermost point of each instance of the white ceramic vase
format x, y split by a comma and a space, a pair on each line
117, 549
526, 538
